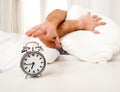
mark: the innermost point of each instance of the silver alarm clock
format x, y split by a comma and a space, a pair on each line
33, 61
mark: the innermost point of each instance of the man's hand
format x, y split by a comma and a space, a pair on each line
90, 22
46, 33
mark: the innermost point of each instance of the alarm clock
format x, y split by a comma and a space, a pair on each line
33, 61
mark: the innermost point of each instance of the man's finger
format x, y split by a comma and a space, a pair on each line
89, 13
33, 30
57, 42
37, 33
100, 23
94, 16
96, 32
97, 18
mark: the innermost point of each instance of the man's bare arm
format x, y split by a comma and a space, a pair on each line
68, 26
86, 22
56, 17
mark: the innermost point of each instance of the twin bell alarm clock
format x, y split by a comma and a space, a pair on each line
33, 61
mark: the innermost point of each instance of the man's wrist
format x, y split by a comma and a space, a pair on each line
50, 25
80, 24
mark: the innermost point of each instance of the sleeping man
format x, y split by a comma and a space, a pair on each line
56, 26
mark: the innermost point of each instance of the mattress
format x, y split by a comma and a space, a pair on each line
66, 74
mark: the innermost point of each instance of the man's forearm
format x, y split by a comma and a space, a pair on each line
68, 26
56, 17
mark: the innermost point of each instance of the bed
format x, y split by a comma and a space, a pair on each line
66, 74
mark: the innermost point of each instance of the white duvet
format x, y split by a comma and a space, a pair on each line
11, 45
10, 49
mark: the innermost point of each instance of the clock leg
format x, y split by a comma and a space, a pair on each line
37, 76
40, 75
26, 76
34, 76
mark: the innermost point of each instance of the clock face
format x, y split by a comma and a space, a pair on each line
33, 63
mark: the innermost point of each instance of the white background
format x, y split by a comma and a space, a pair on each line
33, 12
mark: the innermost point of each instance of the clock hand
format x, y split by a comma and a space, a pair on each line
28, 64
33, 63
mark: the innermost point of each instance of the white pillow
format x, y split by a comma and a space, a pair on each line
10, 48
88, 46
50, 54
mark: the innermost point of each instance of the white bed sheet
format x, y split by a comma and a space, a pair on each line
67, 74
